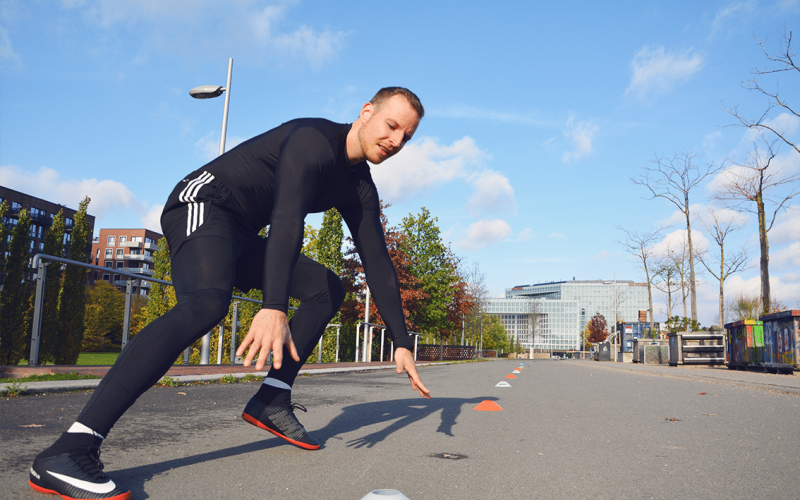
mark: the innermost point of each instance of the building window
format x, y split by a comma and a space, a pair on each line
136, 239
109, 264
120, 252
67, 238
109, 253
120, 264
106, 277
112, 241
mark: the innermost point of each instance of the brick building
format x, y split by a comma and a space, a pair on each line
42, 213
128, 250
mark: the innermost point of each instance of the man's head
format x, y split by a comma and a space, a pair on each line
385, 124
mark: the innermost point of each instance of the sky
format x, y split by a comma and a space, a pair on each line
538, 115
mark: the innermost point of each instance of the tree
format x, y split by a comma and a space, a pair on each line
432, 265
104, 317
677, 324
15, 296
494, 334
476, 291
751, 186
720, 226
3, 237
161, 297
673, 180
784, 64
597, 329
72, 301
755, 181
665, 274
53, 245
534, 317
640, 245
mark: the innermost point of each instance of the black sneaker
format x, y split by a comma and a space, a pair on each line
75, 476
279, 420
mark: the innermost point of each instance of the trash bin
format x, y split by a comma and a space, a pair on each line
604, 351
745, 344
782, 340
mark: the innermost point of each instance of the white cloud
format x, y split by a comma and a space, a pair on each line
483, 233
210, 28
785, 124
556, 235
787, 226
710, 140
472, 113
730, 13
673, 242
107, 196
581, 134
786, 259
657, 72
526, 234
493, 193
425, 164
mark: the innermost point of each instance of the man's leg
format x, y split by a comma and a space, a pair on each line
321, 293
202, 271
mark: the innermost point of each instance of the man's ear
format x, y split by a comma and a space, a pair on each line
366, 111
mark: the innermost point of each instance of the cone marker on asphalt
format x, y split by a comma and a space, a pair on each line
511, 376
516, 371
503, 384
488, 406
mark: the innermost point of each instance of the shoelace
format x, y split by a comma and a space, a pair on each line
296, 406
90, 463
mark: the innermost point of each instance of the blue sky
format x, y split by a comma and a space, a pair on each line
537, 113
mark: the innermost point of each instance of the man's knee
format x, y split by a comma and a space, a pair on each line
208, 306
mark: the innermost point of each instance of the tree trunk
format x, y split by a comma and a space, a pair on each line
766, 300
692, 281
721, 287
650, 302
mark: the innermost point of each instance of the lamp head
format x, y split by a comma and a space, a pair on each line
206, 91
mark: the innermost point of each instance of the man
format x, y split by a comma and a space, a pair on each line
211, 221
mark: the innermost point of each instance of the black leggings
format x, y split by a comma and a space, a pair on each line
204, 272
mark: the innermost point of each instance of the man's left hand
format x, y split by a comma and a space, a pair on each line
405, 363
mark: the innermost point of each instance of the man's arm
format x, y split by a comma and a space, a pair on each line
365, 228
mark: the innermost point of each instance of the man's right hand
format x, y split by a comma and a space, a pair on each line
269, 331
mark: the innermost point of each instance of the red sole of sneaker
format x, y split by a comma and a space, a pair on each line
124, 496
253, 421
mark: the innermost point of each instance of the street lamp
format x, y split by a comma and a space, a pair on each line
211, 91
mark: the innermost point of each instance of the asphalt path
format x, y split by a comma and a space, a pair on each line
567, 429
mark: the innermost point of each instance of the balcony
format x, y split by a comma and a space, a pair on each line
150, 246
131, 244
138, 258
137, 270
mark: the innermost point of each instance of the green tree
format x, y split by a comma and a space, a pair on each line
161, 297
72, 302
432, 265
103, 320
494, 334
15, 297
677, 324
53, 245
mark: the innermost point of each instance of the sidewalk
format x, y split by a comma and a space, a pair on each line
181, 373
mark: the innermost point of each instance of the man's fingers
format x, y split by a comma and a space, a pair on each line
293, 350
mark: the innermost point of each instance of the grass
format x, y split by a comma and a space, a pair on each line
48, 378
97, 358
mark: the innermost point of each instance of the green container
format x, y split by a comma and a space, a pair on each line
745, 343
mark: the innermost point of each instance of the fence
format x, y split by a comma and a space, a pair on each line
435, 352
366, 352
41, 276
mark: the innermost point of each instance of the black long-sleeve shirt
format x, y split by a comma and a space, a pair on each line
301, 167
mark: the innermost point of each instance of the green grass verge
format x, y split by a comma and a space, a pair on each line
97, 358
48, 378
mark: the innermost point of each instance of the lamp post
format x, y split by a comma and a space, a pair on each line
211, 91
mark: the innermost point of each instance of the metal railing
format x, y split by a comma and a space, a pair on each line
41, 276
366, 352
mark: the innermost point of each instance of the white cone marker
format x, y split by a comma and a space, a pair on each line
384, 495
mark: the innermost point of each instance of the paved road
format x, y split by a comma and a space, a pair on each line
568, 429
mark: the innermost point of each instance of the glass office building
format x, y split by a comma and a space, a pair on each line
552, 316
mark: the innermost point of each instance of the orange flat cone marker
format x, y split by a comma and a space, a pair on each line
511, 376
488, 406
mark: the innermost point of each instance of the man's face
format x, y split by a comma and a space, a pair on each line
386, 131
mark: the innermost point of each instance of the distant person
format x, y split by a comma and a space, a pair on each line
211, 221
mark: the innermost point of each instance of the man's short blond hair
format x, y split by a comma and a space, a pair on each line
386, 93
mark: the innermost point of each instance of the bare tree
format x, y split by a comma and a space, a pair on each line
534, 325
720, 226
665, 274
784, 61
673, 179
477, 292
680, 259
640, 245
751, 186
